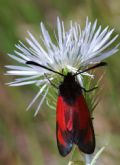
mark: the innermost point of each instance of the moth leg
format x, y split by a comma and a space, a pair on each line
89, 90
50, 81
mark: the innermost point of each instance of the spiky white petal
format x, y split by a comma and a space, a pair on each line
41, 101
73, 49
35, 98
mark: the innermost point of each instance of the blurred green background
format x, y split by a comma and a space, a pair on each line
28, 140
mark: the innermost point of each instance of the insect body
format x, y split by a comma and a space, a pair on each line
74, 125
73, 120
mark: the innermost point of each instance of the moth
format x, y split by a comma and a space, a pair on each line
73, 119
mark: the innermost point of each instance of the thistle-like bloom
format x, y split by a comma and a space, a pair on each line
72, 49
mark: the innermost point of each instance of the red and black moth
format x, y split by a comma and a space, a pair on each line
73, 118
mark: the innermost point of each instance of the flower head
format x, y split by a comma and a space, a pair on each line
72, 49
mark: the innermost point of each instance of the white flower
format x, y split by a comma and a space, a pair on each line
73, 49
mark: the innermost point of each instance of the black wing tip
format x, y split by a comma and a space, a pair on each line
64, 151
87, 149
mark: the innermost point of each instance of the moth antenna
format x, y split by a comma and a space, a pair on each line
42, 66
93, 67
